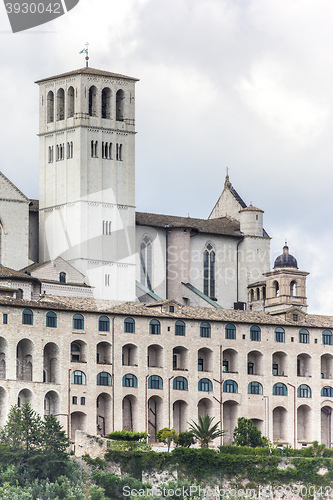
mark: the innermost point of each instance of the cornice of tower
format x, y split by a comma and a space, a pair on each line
88, 71
95, 129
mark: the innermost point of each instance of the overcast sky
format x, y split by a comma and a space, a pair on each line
244, 84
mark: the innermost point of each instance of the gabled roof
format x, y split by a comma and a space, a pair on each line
88, 71
13, 186
222, 225
7, 272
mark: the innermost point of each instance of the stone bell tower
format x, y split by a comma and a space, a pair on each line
87, 177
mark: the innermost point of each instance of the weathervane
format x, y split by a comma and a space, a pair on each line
85, 51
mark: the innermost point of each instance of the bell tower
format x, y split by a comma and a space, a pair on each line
87, 177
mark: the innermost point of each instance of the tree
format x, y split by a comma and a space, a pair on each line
185, 439
204, 431
247, 434
166, 436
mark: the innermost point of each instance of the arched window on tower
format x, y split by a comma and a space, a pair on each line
209, 271
60, 104
50, 107
293, 288
120, 105
93, 101
146, 262
276, 288
106, 103
70, 102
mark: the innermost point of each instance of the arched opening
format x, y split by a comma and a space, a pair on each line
304, 424
326, 426
129, 413
326, 363
179, 360
120, 105
254, 363
24, 396
154, 356
280, 425
3, 406
205, 360
276, 288
259, 424
60, 104
205, 407
93, 101
3, 353
293, 288
104, 414
209, 271
51, 403
78, 423
229, 361
51, 363
130, 355
304, 365
103, 353
106, 103
78, 351
50, 107
230, 416
179, 414
24, 351
146, 262
155, 421
279, 364
70, 102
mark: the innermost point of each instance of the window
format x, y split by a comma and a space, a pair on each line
295, 317
83, 400
69, 150
60, 104
107, 150
104, 378
74, 400
304, 391
78, 378
200, 365
180, 384
103, 324
225, 366
70, 102
327, 337
254, 388
50, 107
327, 392
19, 294
255, 333
62, 277
180, 328
154, 327
107, 280
129, 325
75, 352
293, 288
107, 227
78, 322
50, 158
120, 104
304, 337
51, 319
130, 380
209, 271
275, 369
155, 382
250, 368
230, 386
276, 288
205, 385
146, 262
119, 152
5, 318
27, 317
106, 103
93, 101
94, 145
279, 335
205, 330
280, 389
230, 332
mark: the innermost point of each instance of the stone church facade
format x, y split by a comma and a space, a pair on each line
112, 318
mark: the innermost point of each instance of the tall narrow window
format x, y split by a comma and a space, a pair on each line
209, 271
93, 101
120, 105
106, 103
293, 288
146, 262
60, 104
70, 102
50, 107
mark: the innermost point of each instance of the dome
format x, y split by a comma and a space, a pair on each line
286, 259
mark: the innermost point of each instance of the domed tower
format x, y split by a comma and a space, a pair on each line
285, 285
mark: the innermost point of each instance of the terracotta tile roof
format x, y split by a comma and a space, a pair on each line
221, 225
251, 208
7, 272
87, 71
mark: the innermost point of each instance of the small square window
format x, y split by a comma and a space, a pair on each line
292, 339
83, 401
172, 309
168, 328
316, 341
243, 337
5, 319
295, 317
74, 400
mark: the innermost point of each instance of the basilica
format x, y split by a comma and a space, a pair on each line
116, 319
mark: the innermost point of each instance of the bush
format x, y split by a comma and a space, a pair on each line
127, 435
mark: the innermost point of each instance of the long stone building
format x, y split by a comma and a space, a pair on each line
113, 318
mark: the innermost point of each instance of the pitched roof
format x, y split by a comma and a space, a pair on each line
221, 225
13, 186
7, 272
88, 71
236, 195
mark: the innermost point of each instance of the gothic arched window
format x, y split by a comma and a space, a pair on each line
120, 101
93, 101
209, 271
70, 102
106, 103
60, 104
146, 262
50, 107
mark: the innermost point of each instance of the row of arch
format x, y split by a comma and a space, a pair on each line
98, 105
